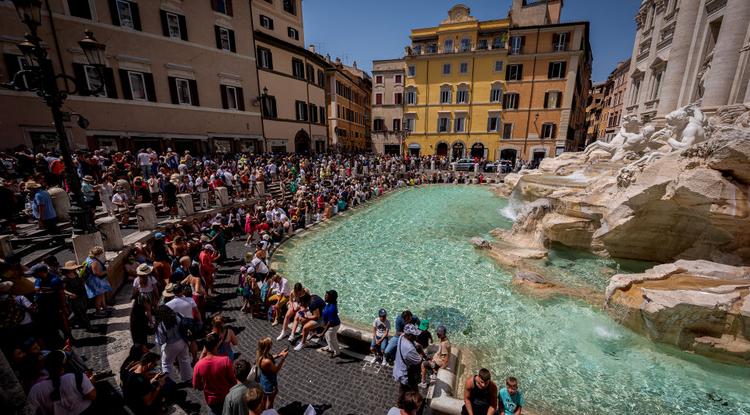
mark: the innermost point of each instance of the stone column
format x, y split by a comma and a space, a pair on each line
185, 205
222, 196
61, 202
111, 236
146, 214
726, 53
6, 249
83, 243
432, 164
672, 81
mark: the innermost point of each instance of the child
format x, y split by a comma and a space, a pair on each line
510, 399
245, 289
381, 328
144, 291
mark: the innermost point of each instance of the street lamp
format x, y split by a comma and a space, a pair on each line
264, 107
403, 135
44, 81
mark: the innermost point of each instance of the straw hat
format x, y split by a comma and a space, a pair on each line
88, 178
144, 269
71, 266
32, 185
168, 291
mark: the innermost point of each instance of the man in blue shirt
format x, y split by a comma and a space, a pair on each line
402, 320
42, 208
510, 399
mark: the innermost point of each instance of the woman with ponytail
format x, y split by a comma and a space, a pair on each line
61, 392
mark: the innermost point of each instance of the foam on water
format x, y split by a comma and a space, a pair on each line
411, 250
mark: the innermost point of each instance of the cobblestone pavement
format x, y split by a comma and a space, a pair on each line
346, 383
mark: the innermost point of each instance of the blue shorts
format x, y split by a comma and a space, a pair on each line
383, 344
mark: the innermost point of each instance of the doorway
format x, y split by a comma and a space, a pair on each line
302, 142
442, 149
458, 150
477, 150
509, 154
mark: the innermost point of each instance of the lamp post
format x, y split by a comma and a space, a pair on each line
403, 135
263, 103
40, 77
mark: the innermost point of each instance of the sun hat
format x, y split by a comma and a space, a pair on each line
168, 290
144, 269
208, 247
71, 266
5, 287
88, 178
32, 185
424, 324
382, 312
412, 329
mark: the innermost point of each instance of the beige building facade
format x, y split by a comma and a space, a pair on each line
178, 74
614, 99
387, 105
594, 108
689, 50
348, 91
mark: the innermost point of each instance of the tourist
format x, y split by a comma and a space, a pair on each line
170, 195
196, 286
235, 402
144, 291
60, 392
207, 257
510, 399
172, 343
409, 403
268, 370
187, 309
309, 320
214, 375
96, 277
75, 288
425, 337
381, 328
120, 201
15, 317
409, 356
480, 394
439, 360
42, 208
143, 389
254, 401
294, 307
406, 317
331, 323
52, 312
280, 295
226, 336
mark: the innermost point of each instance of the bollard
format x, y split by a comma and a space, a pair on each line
146, 213
111, 236
203, 200
222, 197
61, 203
6, 249
83, 243
185, 205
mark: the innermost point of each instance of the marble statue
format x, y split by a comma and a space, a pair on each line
629, 129
687, 125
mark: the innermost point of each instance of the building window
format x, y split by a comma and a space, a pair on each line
482, 44
137, 86
292, 33
497, 43
298, 68
432, 48
378, 124
465, 45
397, 79
412, 71
507, 131
313, 113
300, 110
514, 72
635, 91
496, 93
322, 111
398, 98
173, 25
464, 67
552, 99
94, 81
183, 91
445, 95
310, 73
265, 58
225, 38
321, 79
656, 89
290, 6
233, 99
459, 124
510, 101
443, 124
498, 66
556, 70
446, 69
379, 79
462, 95
560, 42
222, 6
80, 8
266, 22
548, 130
448, 46
378, 99
396, 124
516, 45
493, 122
411, 97
125, 14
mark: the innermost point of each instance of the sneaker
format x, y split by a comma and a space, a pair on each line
275, 323
384, 362
299, 346
281, 336
325, 349
291, 337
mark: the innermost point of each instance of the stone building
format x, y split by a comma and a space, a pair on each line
686, 50
594, 107
178, 74
291, 78
348, 92
614, 97
387, 105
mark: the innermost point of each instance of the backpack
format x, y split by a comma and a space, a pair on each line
11, 313
187, 329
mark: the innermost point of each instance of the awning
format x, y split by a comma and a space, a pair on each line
414, 146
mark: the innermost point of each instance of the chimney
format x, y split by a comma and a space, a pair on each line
311, 48
338, 60
354, 64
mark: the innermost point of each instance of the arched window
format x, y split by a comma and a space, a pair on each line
445, 94
462, 94
496, 93
411, 96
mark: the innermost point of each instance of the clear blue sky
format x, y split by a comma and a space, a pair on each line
363, 30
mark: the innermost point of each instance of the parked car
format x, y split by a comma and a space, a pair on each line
463, 165
502, 166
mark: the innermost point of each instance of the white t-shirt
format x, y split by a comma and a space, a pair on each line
394, 411
281, 287
381, 327
259, 266
71, 401
144, 159
183, 306
149, 287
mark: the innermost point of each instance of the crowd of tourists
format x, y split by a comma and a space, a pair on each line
179, 336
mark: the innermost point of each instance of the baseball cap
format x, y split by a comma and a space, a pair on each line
424, 324
412, 329
382, 312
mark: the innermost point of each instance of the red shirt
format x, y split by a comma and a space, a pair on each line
214, 375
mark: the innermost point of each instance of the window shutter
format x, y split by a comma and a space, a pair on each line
567, 41
164, 24
232, 45
215, 5
271, 24
217, 32
80, 74
563, 69
517, 101
520, 72
11, 65
229, 7
555, 40
550, 66
193, 85
148, 78
546, 99
109, 82
136, 16
183, 27
554, 131
523, 42
113, 12
173, 89
270, 59
125, 82
240, 99
223, 91
559, 99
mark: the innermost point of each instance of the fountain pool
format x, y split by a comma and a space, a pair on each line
411, 250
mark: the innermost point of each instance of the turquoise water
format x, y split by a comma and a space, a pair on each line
411, 250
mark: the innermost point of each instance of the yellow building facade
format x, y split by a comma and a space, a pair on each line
453, 89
